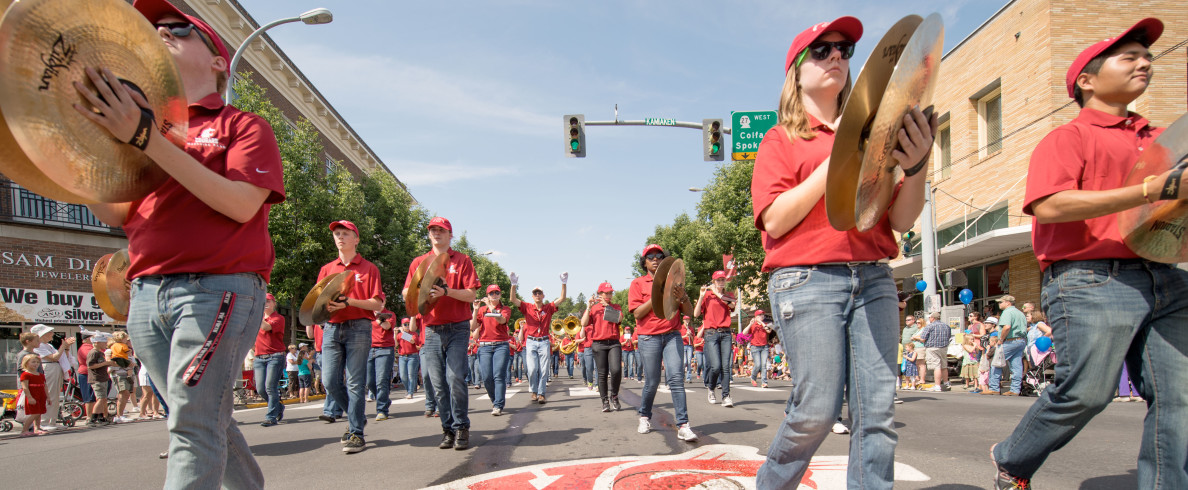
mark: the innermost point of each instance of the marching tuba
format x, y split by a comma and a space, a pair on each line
572, 325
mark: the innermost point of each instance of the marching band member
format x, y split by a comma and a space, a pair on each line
536, 337
714, 307
834, 302
490, 323
758, 330
602, 317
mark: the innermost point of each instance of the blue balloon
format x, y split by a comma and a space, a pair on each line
993, 334
968, 331
1043, 344
921, 285
966, 296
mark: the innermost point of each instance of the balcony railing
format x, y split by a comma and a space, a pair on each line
19, 205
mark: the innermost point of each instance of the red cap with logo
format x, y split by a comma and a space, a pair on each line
270, 297
153, 10
652, 248
758, 312
492, 288
606, 288
345, 224
719, 274
442, 222
1153, 28
847, 26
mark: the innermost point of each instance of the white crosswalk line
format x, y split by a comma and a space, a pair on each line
506, 396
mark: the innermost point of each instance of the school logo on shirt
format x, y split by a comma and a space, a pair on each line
453, 269
207, 137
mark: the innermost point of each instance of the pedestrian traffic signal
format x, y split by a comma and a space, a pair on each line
711, 138
575, 135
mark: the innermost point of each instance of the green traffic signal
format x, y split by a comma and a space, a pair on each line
716, 148
574, 145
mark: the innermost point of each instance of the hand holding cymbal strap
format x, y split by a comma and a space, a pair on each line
1171, 185
119, 108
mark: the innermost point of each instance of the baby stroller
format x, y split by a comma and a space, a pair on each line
1041, 373
8, 401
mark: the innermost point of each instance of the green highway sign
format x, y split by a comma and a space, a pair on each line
746, 131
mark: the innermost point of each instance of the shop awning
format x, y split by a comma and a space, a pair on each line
997, 244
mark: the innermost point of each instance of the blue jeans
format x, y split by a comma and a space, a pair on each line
345, 347
474, 375
630, 367
1012, 350
557, 363
84, 388
493, 359
445, 359
379, 376
719, 344
329, 408
537, 357
699, 359
759, 363
1105, 313
170, 318
688, 363
667, 348
588, 366
839, 325
430, 395
569, 364
268, 370
410, 372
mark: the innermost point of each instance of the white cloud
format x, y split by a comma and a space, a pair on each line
425, 174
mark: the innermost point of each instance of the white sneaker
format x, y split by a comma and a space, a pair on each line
50, 428
840, 428
712, 399
379, 417
645, 425
935, 388
686, 434
121, 420
727, 402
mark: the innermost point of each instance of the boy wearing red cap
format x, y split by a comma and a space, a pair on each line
841, 278
346, 337
1074, 188
714, 307
602, 317
535, 336
490, 325
199, 247
447, 333
269, 364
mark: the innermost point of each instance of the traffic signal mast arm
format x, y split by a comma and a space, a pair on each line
653, 122
713, 144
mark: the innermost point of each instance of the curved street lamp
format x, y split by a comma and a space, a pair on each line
312, 17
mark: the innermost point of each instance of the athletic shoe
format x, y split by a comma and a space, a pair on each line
540, 399
754, 383
712, 399
462, 440
379, 417
428, 413
727, 402
605, 405
408, 396
268, 423
329, 419
496, 411
121, 420
51, 428
615, 403
346, 437
533, 397
898, 401
764, 385
840, 428
447, 439
645, 425
354, 445
935, 388
1004, 480
686, 434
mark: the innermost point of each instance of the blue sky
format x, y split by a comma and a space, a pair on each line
463, 102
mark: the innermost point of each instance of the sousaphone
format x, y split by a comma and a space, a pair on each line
899, 76
1157, 231
572, 325
47, 45
109, 283
668, 289
333, 287
430, 272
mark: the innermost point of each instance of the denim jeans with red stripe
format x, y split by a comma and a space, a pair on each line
170, 320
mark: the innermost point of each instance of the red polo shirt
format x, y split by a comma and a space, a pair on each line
640, 293
407, 348
367, 286
459, 275
628, 343
170, 231
536, 320
698, 344
472, 349
758, 334
515, 346
565, 342
782, 164
715, 311
272, 341
589, 330
490, 330
1094, 152
381, 337
602, 329
83, 349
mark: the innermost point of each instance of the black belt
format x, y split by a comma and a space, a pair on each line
537, 338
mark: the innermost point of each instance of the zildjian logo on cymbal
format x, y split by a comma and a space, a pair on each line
61, 55
140, 138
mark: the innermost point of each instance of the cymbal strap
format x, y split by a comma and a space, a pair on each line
919, 166
1171, 187
140, 138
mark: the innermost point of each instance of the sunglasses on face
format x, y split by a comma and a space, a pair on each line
821, 49
656, 256
184, 29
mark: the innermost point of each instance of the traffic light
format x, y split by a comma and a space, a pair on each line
711, 140
906, 240
574, 126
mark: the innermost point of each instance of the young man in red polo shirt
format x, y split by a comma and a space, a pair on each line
380, 361
408, 346
346, 337
1106, 305
199, 246
538, 351
447, 333
714, 307
269, 364
490, 323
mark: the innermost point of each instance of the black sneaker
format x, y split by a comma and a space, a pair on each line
354, 445
615, 403
428, 413
327, 418
447, 439
463, 440
268, 423
606, 405
346, 437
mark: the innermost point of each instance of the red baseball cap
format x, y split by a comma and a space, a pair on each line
405, 321
606, 288
493, 287
719, 274
1153, 26
653, 248
758, 312
345, 224
270, 297
847, 26
153, 10
442, 222
686, 318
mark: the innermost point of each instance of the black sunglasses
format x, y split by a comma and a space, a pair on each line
178, 29
821, 49
655, 256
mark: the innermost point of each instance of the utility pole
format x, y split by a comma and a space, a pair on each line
928, 251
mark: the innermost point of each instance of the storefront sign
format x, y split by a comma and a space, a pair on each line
48, 266
48, 306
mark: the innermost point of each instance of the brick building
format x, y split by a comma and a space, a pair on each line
1001, 90
48, 248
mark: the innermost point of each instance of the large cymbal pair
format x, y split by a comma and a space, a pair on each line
668, 289
1157, 231
333, 287
109, 282
45, 145
899, 76
429, 273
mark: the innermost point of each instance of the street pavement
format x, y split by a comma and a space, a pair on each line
944, 440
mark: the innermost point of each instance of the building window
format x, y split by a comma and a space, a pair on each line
990, 124
944, 150
977, 225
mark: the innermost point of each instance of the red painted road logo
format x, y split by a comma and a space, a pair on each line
708, 467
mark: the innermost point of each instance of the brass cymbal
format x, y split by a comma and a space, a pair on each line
99, 287
658, 280
1157, 231
434, 275
119, 289
313, 307
414, 287
674, 290
47, 46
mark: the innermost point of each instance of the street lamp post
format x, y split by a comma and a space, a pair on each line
312, 17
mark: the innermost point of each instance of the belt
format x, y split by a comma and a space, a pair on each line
482, 344
1012, 338
861, 262
537, 338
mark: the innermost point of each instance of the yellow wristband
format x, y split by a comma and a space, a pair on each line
1145, 180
